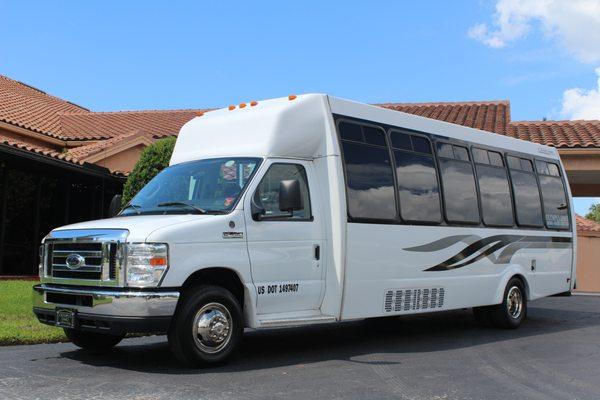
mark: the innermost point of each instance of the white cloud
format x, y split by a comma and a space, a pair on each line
575, 24
582, 104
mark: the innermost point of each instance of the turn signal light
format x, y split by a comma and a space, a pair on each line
156, 261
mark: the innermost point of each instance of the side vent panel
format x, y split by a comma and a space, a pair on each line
409, 299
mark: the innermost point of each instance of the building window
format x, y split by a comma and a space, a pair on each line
369, 174
458, 184
528, 205
556, 208
417, 178
494, 190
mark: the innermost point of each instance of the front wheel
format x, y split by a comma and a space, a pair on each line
93, 341
207, 328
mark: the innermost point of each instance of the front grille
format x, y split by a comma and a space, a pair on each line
88, 257
112, 261
90, 268
98, 260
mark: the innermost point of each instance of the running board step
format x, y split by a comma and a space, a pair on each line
272, 323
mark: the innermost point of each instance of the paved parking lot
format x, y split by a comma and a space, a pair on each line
555, 355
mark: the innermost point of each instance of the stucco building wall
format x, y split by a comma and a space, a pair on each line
588, 262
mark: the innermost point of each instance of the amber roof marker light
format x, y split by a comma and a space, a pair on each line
242, 105
231, 108
253, 103
292, 97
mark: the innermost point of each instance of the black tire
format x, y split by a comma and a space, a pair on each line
483, 316
505, 315
92, 341
215, 305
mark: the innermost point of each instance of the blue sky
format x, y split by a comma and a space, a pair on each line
167, 55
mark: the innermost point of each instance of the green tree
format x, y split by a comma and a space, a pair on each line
594, 212
153, 159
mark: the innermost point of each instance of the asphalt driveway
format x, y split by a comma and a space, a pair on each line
555, 355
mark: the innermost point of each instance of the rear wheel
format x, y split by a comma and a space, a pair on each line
510, 313
207, 328
93, 341
513, 310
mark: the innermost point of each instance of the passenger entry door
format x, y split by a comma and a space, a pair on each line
285, 248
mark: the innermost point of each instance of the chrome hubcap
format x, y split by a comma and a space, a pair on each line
212, 327
514, 302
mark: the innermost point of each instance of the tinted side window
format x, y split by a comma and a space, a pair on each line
267, 193
496, 204
350, 131
460, 196
527, 196
494, 190
458, 184
370, 181
556, 207
417, 180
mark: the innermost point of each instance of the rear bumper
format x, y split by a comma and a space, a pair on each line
108, 310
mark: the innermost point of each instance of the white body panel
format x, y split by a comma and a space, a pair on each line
283, 253
361, 265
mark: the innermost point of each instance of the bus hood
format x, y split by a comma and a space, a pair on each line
139, 226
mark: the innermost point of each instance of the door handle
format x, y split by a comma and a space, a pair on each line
317, 252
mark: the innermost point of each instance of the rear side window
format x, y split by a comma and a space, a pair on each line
527, 196
458, 184
369, 174
417, 178
556, 208
496, 202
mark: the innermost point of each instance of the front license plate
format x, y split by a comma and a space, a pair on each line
65, 318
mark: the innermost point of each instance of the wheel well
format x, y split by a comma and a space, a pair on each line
524, 282
217, 276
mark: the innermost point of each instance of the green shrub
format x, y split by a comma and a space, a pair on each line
594, 212
153, 159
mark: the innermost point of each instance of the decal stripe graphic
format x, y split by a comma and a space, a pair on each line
478, 248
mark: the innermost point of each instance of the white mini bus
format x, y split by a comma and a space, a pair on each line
312, 209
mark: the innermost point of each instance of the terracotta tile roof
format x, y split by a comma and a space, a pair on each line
104, 125
585, 225
27, 107
85, 151
569, 134
30, 108
44, 151
494, 116
486, 115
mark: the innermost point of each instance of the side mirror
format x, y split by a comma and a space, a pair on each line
290, 198
115, 206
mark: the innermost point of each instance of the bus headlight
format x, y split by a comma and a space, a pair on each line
146, 263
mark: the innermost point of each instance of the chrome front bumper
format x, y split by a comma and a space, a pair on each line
107, 308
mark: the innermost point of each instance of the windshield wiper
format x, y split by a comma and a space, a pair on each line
182, 203
135, 207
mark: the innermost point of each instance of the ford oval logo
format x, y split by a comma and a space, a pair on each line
74, 261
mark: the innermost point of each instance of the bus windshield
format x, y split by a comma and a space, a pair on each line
210, 186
